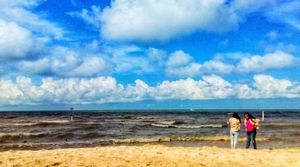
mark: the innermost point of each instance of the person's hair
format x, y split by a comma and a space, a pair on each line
250, 116
236, 115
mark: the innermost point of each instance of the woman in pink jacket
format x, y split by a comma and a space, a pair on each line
250, 125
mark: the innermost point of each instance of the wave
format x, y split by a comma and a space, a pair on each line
16, 137
50, 122
21, 134
21, 137
4, 125
168, 122
25, 124
55, 121
187, 126
181, 124
34, 123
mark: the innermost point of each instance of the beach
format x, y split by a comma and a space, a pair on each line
152, 155
152, 138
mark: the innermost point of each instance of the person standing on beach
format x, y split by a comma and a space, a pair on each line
235, 125
251, 124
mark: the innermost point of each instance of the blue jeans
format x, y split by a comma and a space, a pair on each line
251, 139
234, 139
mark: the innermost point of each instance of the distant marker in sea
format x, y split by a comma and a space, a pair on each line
71, 113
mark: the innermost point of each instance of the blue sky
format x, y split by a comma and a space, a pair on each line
102, 52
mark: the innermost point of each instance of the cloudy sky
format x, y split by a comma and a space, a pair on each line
92, 52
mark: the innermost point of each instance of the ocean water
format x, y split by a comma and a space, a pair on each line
54, 129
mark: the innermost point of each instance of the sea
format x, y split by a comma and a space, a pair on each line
21, 130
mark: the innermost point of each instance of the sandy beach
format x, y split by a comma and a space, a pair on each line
152, 155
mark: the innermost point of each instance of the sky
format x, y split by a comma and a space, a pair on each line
104, 53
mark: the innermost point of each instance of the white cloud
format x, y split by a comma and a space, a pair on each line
153, 20
217, 87
249, 6
244, 91
23, 32
268, 86
137, 60
156, 57
40, 66
64, 62
265, 82
9, 92
182, 65
180, 89
139, 91
15, 41
131, 59
288, 48
190, 70
179, 58
106, 89
92, 66
69, 90
286, 12
91, 17
268, 61
217, 67
131, 64
19, 3
91, 61
20, 12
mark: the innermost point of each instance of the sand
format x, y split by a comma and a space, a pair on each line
152, 155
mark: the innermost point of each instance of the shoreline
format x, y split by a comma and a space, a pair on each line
152, 155
190, 141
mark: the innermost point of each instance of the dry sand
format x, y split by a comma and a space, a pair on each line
152, 155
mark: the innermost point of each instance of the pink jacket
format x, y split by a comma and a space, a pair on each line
249, 124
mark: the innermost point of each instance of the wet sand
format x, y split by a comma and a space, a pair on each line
152, 155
